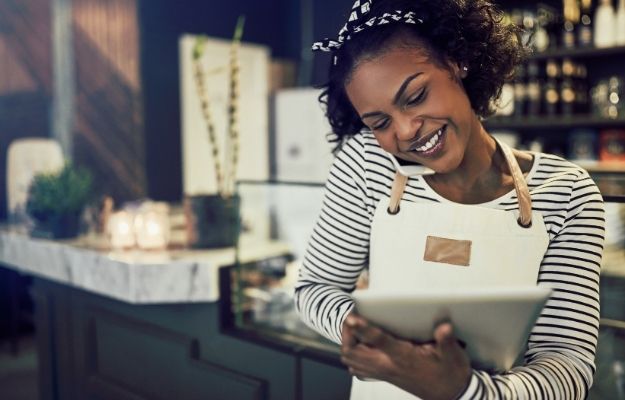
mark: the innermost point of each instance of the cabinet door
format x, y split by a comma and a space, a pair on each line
163, 352
324, 381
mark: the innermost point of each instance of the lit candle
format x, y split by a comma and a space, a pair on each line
152, 226
120, 230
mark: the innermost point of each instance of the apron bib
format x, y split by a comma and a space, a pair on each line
417, 246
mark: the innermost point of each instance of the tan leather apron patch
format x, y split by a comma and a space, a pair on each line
450, 251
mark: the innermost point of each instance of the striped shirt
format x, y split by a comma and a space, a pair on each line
559, 360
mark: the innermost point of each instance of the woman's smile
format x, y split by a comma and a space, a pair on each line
430, 145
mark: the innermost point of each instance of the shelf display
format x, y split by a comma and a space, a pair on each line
568, 98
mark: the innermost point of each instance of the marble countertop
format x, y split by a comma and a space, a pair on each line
134, 276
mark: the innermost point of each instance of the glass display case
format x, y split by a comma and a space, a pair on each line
284, 214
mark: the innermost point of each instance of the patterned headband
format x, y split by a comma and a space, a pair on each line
357, 22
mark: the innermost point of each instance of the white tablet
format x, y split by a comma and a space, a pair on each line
493, 323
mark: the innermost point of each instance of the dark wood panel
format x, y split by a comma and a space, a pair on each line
109, 134
25, 27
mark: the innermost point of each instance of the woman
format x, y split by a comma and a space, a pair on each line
414, 79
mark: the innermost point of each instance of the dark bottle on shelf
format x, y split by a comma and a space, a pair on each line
520, 92
567, 88
581, 89
571, 20
551, 94
554, 29
533, 89
584, 28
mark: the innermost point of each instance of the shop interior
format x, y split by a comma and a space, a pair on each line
169, 267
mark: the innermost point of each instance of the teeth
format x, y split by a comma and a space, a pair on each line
432, 142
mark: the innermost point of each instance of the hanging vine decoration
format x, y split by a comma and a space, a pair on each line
233, 108
225, 177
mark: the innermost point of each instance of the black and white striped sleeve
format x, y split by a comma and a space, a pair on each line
559, 361
339, 245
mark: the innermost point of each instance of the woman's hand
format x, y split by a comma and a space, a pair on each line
439, 370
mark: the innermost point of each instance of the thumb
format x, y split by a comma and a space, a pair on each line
445, 337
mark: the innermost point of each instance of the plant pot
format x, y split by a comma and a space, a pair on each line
212, 221
57, 226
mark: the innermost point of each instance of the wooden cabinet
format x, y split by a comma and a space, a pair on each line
91, 347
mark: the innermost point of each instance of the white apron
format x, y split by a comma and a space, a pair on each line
425, 246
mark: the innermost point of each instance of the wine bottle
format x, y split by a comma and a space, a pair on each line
604, 28
520, 93
584, 29
571, 19
581, 89
533, 89
620, 24
567, 88
551, 97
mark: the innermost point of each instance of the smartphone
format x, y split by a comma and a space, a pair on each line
408, 168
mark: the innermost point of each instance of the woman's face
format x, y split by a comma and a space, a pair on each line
417, 110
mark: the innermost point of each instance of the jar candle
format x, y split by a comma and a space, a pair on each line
152, 227
120, 230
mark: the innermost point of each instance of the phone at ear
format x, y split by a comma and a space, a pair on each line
407, 168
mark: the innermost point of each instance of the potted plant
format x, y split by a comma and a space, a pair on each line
56, 201
213, 219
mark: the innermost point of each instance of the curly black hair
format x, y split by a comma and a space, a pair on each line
471, 33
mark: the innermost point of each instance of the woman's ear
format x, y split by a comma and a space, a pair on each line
460, 71
464, 71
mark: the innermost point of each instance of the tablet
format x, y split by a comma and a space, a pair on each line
493, 323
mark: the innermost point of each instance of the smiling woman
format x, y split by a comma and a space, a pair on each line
412, 80
429, 108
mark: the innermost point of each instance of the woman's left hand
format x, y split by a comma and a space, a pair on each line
439, 370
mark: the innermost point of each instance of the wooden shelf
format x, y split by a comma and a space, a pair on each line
556, 123
577, 53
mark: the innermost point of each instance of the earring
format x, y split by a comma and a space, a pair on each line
465, 72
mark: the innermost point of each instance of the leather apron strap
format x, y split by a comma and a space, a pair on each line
396, 192
520, 186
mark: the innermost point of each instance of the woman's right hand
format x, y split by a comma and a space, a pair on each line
439, 370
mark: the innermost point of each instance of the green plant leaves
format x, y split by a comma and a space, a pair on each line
64, 192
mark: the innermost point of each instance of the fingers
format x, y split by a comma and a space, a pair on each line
362, 361
366, 333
